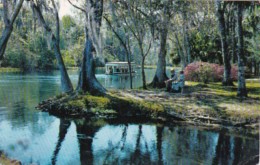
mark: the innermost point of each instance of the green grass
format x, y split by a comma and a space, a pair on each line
113, 104
8, 69
212, 100
253, 88
223, 101
199, 101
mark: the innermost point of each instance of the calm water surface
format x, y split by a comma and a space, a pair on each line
36, 137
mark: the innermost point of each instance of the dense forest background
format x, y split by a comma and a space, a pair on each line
192, 29
148, 32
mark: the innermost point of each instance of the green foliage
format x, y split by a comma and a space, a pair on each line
46, 60
205, 74
32, 50
16, 59
29, 49
129, 105
96, 102
112, 104
204, 48
76, 104
67, 58
67, 22
61, 95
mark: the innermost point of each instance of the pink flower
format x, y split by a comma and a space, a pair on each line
203, 71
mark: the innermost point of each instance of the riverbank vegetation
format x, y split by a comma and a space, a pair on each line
214, 42
200, 104
8, 69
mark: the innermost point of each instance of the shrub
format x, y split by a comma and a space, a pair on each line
207, 72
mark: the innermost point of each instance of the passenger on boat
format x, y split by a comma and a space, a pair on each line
110, 70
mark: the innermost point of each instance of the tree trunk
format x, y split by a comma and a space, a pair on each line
180, 52
87, 78
143, 73
241, 90
257, 69
234, 40
66, 85
227, 81
186, 43
8, 25
160, 75
130, 75
90, 82
4, 39
82, 82
129, 53
34, 24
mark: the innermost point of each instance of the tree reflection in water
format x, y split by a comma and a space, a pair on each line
63, 129
121, 143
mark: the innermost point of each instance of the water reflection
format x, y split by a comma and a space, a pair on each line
103, 143
86, 131
63, 129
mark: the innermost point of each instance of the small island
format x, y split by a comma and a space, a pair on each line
206, 105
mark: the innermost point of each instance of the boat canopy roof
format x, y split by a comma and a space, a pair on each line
118, 63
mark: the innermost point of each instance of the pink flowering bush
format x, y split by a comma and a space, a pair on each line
207, 72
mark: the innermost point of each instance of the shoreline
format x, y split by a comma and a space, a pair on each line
196, 106
5, 160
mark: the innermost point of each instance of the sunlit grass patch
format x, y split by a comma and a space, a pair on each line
8, 70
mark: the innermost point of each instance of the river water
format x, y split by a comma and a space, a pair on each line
36, 137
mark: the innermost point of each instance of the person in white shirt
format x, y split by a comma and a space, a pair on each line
172, 79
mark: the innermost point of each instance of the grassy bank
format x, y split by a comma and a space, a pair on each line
8, 70
210, 104
111, 105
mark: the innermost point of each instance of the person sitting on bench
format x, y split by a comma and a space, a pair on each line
169, 82
180, 83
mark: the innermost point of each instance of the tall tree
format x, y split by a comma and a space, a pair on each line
160, 75
121, 34
220, 9
8, 21
186, 43
137, 24
66, 84
93, 16
241, 90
